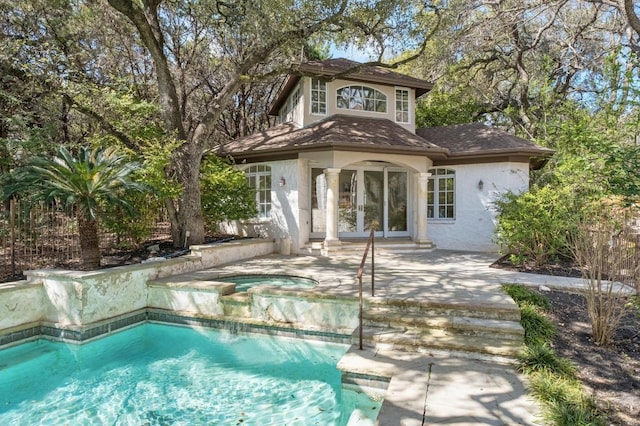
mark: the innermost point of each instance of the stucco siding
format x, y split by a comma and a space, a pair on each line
333, 86
289, 192
475, 215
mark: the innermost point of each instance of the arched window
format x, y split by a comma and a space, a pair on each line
259, 178
441, 194
361, 98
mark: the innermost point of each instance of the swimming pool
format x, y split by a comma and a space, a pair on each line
162, 374
245, 282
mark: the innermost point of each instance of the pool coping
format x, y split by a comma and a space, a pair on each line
85, 334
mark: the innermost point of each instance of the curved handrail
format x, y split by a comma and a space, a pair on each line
370, 243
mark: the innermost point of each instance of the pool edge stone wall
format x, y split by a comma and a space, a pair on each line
74, 300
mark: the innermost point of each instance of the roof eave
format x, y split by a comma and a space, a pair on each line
433, 153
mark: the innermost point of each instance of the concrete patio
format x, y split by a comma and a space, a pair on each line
425, 386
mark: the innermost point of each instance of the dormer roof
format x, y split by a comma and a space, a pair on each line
348, 70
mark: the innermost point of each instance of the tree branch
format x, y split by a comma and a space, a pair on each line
146, 21
104, 123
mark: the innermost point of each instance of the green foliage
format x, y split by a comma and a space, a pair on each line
225, 193
87, 181
538, 328
552, 379
540, 357
441, 108
584, 413
534, 226
564, 401
522, 295
85, 184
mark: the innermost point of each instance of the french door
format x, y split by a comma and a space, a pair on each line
373, 199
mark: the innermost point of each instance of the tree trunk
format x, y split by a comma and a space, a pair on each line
187, 225
89, 242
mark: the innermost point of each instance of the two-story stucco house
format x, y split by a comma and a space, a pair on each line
346, 156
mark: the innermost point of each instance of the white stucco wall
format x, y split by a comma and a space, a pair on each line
473, 227
289, 207
304, 117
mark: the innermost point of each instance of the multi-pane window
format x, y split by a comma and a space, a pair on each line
318, 96
259, 178
402, 105
361, 98
441, 194
287, 113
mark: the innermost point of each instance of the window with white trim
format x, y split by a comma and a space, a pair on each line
362, 98
318, 96
259, 178
441, 194
402, 105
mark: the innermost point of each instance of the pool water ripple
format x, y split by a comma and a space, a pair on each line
159, 374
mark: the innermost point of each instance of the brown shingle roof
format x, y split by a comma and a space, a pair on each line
332, 67
345, 132
476, 139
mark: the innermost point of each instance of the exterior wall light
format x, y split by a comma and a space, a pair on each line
480, 185
283, 182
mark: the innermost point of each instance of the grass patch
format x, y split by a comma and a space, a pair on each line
553, 379
538, 330
522, 295
540, 358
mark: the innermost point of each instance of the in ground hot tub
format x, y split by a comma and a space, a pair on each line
246, 281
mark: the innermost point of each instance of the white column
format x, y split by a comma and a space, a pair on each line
333, 191
422, 180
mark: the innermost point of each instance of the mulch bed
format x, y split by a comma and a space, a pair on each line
611, 374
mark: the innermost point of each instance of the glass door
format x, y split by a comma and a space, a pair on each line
372, 202
367, 199
397, 206
361, 203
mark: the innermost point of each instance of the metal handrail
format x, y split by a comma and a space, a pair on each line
370, 243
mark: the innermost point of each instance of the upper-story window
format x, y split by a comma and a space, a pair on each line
318, 96
259, 178
402, 105
287, 113
441, 194
361, 98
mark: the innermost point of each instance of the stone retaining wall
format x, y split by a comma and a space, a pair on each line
72, 299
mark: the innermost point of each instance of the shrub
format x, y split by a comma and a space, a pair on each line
604, 246
552, 379
534, 226
225, 193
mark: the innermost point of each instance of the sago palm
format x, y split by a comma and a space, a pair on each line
83, 183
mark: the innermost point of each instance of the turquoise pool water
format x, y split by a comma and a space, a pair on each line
245, 282
166, 375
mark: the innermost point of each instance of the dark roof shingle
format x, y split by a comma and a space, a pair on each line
337, 131
474, 139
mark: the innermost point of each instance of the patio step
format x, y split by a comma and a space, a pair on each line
382, 245
438, 339
417, 325
442, 308
461, 325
